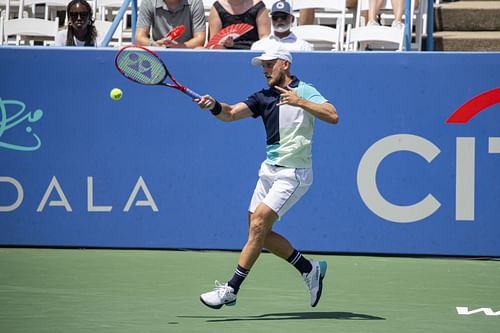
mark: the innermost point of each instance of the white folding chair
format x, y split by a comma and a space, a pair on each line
31, 29
335, 10
50, 7
106, 11
393, 38
418, 16
327, 12
6, 9
103, 27
321, 37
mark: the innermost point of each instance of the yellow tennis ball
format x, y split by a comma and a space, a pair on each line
116, 94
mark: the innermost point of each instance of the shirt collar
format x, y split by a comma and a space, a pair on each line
162, 4
292, 37
293, 84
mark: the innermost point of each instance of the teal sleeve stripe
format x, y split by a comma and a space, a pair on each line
308, 92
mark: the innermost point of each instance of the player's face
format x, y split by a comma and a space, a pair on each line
274, 71
282, 22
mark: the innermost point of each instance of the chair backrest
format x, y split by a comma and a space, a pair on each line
374, 34
418, 17
8, 9
321, 37
31, 28
103, 27
335, 9
110, 3
322, 4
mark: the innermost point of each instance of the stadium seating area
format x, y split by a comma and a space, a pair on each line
335, 28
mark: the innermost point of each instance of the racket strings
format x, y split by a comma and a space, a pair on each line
141, 66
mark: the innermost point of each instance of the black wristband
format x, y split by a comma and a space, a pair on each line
217, 109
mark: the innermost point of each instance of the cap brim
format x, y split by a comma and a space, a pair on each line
257, 61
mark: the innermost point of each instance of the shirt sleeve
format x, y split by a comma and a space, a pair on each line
306, 46
60, 39
253, 103
198, 14
309, 93
146, 14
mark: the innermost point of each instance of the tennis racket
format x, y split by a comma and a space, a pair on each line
143, 66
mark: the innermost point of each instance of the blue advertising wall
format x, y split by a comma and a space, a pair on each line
154, 171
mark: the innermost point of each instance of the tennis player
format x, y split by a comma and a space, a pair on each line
288, 108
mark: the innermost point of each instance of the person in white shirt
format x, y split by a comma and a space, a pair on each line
81, 30
282, 19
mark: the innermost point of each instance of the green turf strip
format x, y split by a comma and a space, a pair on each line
54, 290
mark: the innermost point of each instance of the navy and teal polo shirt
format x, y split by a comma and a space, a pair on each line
289, 128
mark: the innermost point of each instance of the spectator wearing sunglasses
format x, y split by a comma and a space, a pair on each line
81, 30
282, 19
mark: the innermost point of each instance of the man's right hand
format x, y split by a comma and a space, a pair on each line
206, 102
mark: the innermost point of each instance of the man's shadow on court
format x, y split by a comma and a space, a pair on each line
290, 316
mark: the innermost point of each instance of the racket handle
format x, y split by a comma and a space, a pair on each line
191, 93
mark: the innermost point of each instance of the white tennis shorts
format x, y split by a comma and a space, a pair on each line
280, 188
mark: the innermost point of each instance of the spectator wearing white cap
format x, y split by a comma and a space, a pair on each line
288, 108
282, 19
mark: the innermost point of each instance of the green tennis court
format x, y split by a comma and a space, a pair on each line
59, 290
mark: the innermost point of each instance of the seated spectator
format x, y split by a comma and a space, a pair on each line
81, 30
282, 19
398, 8
226, 12
163, 16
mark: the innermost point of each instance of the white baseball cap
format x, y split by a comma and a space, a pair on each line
272, 54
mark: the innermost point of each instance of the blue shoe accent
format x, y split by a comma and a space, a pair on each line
323, 265
322, 272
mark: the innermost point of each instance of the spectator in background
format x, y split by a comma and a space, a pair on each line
226, 12
282, 19
306, 16
398, 7
164, 15
81, 30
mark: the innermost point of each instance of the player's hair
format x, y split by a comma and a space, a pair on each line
91, 36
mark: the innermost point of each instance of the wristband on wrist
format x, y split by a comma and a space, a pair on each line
217, 109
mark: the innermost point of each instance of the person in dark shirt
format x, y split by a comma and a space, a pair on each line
227, 12
288, 108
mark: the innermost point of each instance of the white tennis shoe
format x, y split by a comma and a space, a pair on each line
221, 295
314, 280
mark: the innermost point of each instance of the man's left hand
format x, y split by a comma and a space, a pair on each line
288, 96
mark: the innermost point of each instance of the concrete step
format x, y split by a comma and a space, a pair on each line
468, 16
478, 41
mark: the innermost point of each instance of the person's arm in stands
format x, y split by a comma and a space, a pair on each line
214, 23
198, 40
144, 23
263, 23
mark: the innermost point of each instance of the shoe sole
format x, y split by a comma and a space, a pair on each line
217, 307
322, 272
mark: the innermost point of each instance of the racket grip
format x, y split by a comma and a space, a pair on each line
191, 93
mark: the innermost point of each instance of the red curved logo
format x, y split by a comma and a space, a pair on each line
473, 106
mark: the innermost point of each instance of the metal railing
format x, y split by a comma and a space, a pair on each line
118, 19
